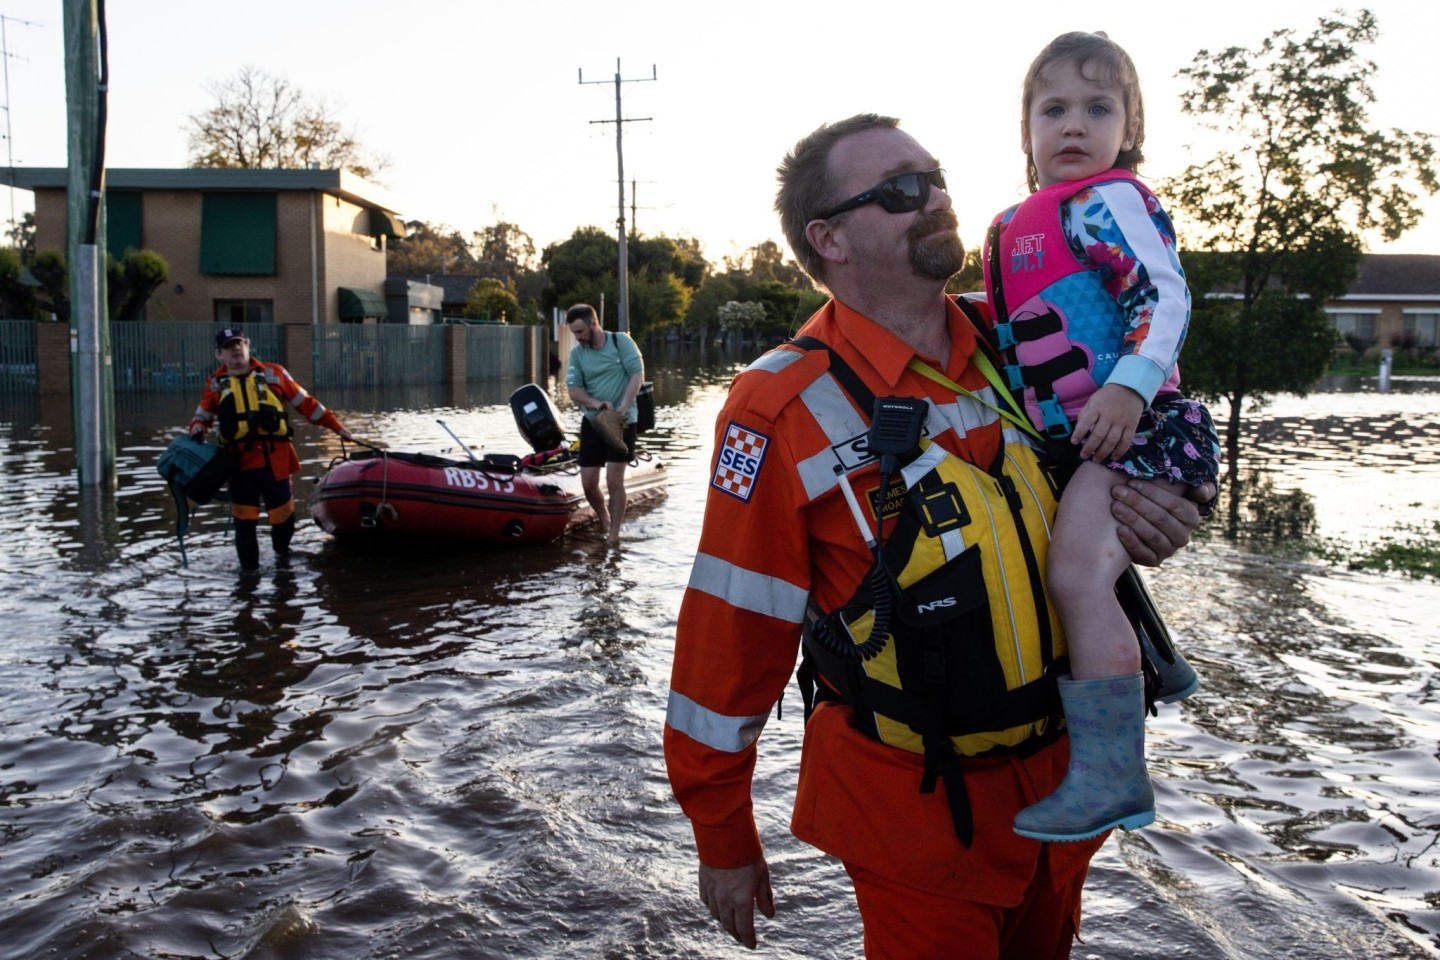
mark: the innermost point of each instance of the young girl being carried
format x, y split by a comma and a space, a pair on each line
1091, 308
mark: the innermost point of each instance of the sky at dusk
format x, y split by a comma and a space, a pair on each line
478, 107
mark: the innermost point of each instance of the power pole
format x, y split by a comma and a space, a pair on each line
86, 81
620, 121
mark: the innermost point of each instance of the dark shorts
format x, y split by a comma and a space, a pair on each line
250, 488
595, 452
1175, 441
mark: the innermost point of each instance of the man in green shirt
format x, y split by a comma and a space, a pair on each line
605, 373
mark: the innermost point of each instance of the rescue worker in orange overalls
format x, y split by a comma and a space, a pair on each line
247, 400
919, 812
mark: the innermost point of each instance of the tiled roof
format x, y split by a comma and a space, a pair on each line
1416, 274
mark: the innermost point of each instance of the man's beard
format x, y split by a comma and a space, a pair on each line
933, 255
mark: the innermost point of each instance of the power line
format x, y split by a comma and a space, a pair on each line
5, 56
620, 121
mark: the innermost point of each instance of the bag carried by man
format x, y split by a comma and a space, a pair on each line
195, 470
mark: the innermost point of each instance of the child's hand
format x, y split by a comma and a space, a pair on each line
1107, 424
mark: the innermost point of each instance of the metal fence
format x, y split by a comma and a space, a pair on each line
492, 351
162, 356
379, 354
18, 371
157, 355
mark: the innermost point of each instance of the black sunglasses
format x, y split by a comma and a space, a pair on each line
899, 194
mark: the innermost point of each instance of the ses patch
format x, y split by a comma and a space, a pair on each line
738, 466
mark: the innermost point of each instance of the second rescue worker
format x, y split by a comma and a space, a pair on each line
247, 399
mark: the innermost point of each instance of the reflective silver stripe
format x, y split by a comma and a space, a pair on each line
715, 730
1014, 435
775, 360
1022, 481
923, 464
951, 541
954, 543
748, 590
1001, 570
832, 411
965, 414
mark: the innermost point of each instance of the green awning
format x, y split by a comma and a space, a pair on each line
386, 224
358, 304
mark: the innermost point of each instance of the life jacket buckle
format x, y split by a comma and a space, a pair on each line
1057, 425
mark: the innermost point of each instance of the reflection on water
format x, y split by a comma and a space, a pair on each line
365, 754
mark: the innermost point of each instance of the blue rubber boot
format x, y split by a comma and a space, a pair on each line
1106, 784
1178, 680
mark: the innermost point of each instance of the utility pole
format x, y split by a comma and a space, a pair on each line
86, 81
620, 121
5, 56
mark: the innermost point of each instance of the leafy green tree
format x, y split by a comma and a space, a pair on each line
17, 301
664, 274
702, 317
971, 278
48, 269
492, 299
582, 269
22, 234
131, 281
506, 253
1282, 207
435, 249
260, 121
758, 275
742, 318
766, 261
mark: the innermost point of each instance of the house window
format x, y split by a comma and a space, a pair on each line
1423, 329
1355, 326
244, 313
237, 234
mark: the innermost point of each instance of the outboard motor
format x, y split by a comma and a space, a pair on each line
537, 418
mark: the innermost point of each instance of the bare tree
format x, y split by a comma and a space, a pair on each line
262, 121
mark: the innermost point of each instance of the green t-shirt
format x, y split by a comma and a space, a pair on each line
605, 373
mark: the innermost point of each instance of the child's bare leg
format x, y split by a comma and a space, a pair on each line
1086, 558
1106, 784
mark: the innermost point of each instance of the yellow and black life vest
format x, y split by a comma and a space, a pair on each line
968, 662
249, 410
964, 572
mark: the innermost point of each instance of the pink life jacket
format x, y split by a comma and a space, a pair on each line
1055, 323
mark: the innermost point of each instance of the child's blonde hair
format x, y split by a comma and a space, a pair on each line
1112, 64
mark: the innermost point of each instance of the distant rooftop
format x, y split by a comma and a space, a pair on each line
342, 183
1393, 274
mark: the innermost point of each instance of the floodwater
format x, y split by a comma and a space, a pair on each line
424, 755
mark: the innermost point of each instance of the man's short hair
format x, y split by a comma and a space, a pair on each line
806, 188
581, 311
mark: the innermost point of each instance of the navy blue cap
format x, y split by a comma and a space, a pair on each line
228, 334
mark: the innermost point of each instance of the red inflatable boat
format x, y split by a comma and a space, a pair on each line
493, 499
489, 500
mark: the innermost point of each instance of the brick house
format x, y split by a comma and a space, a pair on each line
244, 246
1395, 302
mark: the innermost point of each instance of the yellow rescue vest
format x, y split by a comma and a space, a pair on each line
972, 630
250, 410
